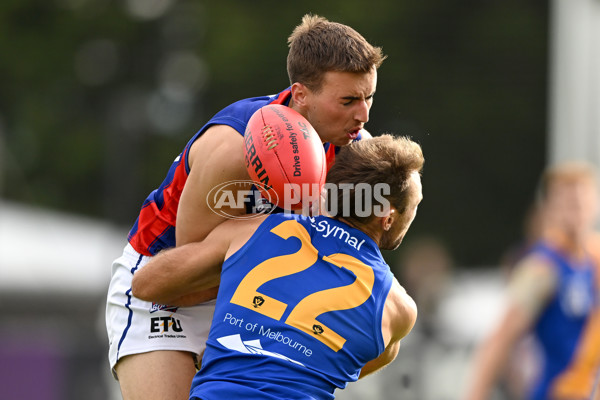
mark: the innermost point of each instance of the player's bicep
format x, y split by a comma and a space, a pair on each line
216, 158
532, 284
400, 314
399, 317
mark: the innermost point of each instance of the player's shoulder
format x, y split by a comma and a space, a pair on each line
241, 110
541, 259
402, 308
219, 143
537, 268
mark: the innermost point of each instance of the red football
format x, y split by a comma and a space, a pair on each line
285, 157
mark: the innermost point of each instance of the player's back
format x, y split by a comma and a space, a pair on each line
298, 313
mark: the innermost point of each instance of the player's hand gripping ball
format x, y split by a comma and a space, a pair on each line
285, 157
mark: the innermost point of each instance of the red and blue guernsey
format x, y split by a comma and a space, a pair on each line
298, 313
154, 228
567, 337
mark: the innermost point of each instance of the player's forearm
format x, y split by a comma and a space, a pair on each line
195, 298
177, 272
490, 358
484, 373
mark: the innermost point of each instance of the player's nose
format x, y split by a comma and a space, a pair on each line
362, 112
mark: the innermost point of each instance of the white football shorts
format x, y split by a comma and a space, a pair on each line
135, 326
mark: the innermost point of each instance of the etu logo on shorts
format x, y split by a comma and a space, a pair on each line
165, 324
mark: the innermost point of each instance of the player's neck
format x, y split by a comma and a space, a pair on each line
369, 229
572, 243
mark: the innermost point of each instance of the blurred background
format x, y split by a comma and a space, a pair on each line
97, 97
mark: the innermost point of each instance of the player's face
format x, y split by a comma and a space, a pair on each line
572, 205
392, 238
341, 108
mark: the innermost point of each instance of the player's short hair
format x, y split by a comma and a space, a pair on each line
383, 159
317, 46
566, 171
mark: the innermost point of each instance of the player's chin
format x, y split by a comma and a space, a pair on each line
343, 141
387, 244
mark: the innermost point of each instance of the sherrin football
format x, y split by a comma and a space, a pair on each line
284, 157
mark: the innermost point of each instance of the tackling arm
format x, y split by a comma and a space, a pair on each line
189, 274
175, 276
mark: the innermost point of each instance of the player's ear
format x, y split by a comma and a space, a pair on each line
389, 218
299, 94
